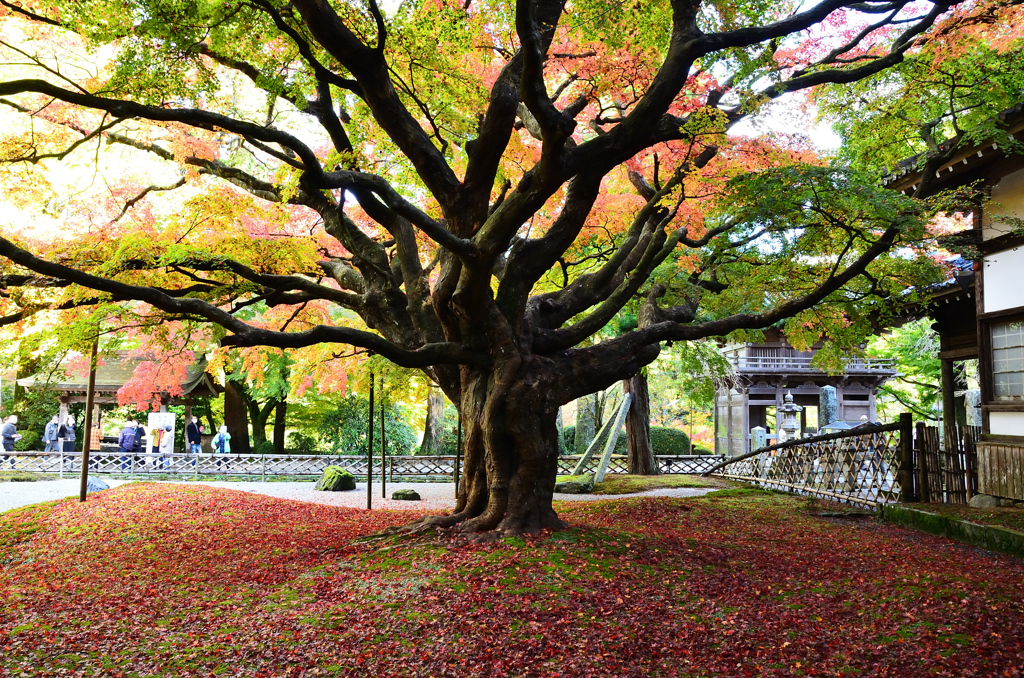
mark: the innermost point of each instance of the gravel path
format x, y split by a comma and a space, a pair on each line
436, 496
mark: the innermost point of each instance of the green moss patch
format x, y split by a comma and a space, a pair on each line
990, 537
1010, 518
628, 484
21, 477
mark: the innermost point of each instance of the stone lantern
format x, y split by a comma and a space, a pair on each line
790, 424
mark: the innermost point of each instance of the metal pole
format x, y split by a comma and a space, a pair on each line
369, 449
383, 445
90, 395
458, 452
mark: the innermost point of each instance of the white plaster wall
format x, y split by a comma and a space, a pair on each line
1006, 423
1007, 198
1004, 280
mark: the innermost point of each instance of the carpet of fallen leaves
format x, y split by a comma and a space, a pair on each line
158, 579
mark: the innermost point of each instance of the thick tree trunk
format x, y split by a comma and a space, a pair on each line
280, 413
509, 409
640, 455
236, 420
511, 454
585, 421
433, 430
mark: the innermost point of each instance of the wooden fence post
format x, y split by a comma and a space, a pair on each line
906, 474
923, 447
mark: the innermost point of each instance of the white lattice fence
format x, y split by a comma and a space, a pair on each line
263, 465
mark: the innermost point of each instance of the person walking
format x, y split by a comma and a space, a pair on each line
9, 436
50, 435
222, 444
166, 445
66, 438
126, 442
140, 431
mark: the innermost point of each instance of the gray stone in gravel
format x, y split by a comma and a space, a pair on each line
407, 495
583, 484
984, 501
96, 485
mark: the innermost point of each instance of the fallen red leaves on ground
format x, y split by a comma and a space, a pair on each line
160, 579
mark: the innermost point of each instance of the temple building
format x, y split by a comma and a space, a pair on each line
766, 372
982, 315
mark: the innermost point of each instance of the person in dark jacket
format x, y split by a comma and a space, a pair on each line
193, 437
126, 442
137, 447
50, 435
66, 434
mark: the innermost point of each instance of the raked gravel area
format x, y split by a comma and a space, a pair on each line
435, 496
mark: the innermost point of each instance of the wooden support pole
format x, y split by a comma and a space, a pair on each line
458, 453
949, 407
369, 449
383, 443
906, 474
923, 449
87, 438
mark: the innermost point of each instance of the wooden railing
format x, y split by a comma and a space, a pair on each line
864, 466
264, 465
803, 364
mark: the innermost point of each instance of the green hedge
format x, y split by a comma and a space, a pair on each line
664, 440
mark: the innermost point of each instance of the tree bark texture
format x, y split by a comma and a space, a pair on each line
586, 421
236, 420
640, 455
433, 428
280, 416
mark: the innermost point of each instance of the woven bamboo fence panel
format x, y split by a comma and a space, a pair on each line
857, 469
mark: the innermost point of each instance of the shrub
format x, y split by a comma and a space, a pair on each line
569, 436
670, 441
30, 440
664, 440
264, 447
303, 443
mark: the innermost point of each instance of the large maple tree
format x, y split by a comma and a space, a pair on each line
482, 187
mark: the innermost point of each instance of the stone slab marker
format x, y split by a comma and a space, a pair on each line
828, 407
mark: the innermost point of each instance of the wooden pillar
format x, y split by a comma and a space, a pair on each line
188, 410
906, 473
383, 443
949, 407
87, 439
923, 481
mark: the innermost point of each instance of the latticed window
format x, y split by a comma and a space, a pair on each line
1008, 360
